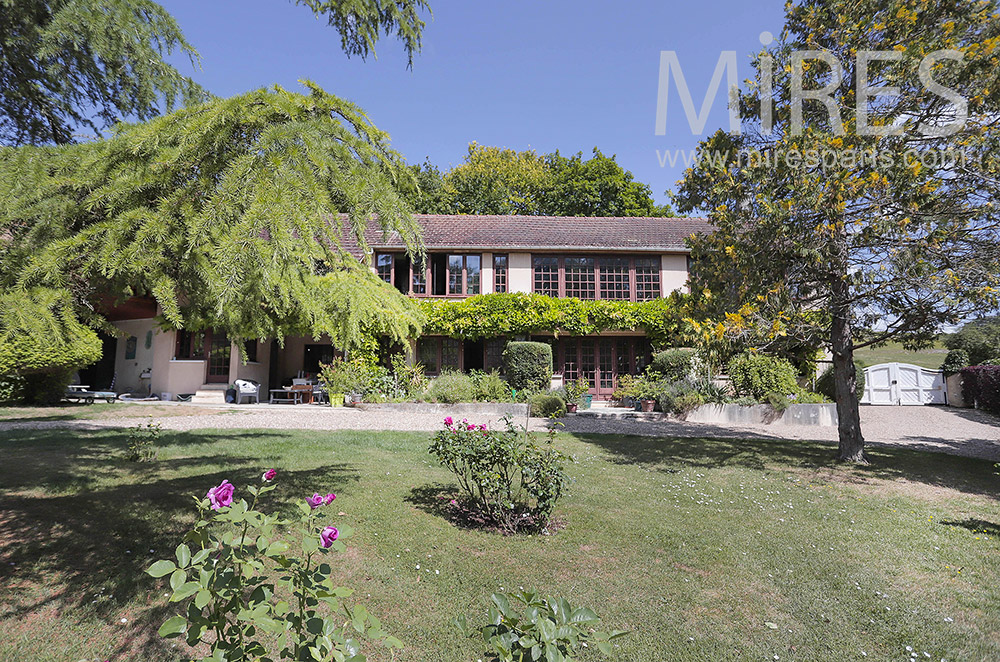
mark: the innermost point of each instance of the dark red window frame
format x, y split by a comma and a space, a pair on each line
641, 277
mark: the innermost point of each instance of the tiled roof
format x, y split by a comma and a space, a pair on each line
548, 233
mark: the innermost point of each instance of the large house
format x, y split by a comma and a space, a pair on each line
630, 259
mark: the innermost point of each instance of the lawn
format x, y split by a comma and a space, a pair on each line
893, 352
101, 410
705, 549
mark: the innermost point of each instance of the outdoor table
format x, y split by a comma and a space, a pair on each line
279, 395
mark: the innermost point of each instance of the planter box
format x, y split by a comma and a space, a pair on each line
811, 414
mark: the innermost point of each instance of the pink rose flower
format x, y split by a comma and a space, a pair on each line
270, 474
448, 421
483, 427
221, 496
327, 536
315, 501
329, 498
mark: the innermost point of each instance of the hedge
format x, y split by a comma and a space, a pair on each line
528, 365
518, 313
981, 387
826, 384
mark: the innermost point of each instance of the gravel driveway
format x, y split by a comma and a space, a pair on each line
942, 429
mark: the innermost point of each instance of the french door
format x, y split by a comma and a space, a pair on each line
219, 351
602, 360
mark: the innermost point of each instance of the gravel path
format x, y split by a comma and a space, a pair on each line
941, 429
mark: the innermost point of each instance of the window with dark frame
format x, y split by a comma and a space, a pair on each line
546, 275
499, 273
419, 283
250, 351
190, 345
427, 354
647, 278
473, 268
580, 277
383, 266
615, 278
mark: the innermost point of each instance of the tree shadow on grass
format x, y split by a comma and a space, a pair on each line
970, 475
444, 501
976, 526
87, 551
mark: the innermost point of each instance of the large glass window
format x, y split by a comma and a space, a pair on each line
647, 278
190, 345
499, 273
472, 269
427, 354
454, 274
383, 266
580, 277
615, 278
419, 285
546, 272
450, 350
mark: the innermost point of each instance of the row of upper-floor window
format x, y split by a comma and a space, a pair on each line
619, 277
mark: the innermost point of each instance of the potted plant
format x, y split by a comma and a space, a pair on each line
576, 394
646, 394
231, 394
336, 380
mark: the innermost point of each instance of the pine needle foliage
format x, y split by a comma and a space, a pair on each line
231, 214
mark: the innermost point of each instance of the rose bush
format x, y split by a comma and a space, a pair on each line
248, 594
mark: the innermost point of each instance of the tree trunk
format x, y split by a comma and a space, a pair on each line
852, 443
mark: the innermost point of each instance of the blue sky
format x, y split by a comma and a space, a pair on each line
539, 74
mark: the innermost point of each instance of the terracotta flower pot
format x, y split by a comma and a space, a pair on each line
571, 407
648, 405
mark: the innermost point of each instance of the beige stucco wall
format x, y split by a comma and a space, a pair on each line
486, 275
170, 376
127, 371
673, 273
256, 371
519, 272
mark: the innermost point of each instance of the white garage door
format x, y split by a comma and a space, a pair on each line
903, 384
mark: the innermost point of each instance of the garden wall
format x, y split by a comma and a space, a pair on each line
807, 414
459, 409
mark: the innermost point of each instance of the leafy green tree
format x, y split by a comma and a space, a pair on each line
69, 65
495, 180
850, 251
231, 214
979, 339
500, 181
597, 186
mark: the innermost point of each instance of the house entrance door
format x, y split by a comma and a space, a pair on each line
219, 350
602, 360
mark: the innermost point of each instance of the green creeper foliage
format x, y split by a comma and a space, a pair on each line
517, 313
756, 375
528, 365
230, 214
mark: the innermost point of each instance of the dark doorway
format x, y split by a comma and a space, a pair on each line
99, 376
473, 353
219, 351
401, 274
317, 356
439, 274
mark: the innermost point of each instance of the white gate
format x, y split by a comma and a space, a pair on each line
903, 384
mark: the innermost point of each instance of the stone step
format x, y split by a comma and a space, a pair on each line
619, 413
210, 394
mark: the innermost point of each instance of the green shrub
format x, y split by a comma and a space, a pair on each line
249, 589
528, 365
451, 387
142, 442
539, 630
45, 388
825, 384
513, 482
11, 388
778, 401
40, 333
809, 398
576, 390
547, 404
489, 387
678, 398
674, 363
980, 339
712, 392
955, 361
755, 375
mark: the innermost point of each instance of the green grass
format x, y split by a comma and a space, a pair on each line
101, 410
694, 545
931, 357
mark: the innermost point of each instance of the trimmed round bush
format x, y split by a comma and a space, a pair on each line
755, 375
528, 365
451, 387
547, 404
826, 386
673, 363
